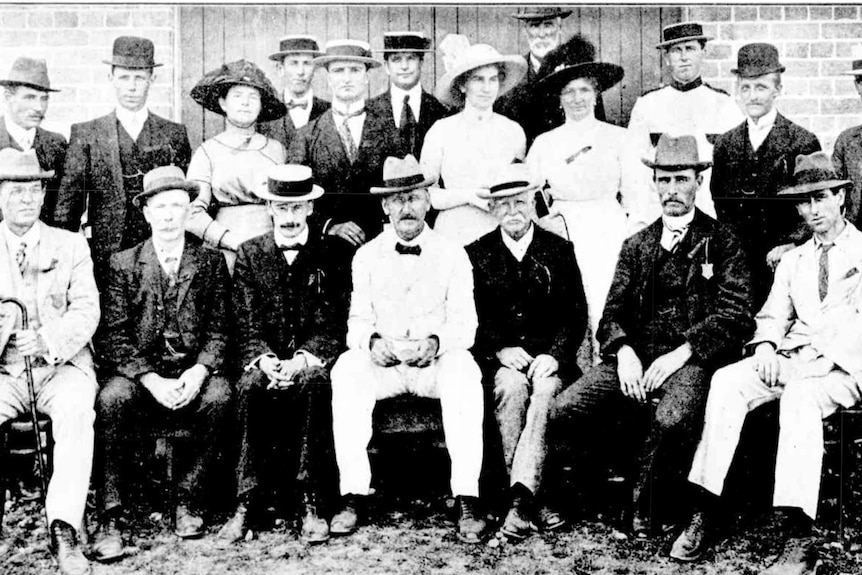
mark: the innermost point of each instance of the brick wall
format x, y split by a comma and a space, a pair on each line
814, 43
74, 39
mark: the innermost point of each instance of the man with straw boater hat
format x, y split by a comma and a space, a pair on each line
678, 309
847, 154
165, 338
345, 147
294, 61
687, 105
805, 354
412, 323
50, 271
532, 318
406, 103
108, 157
753, 161
27, 92
290, 300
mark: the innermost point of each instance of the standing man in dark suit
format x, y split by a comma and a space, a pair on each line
27, 92
753, 161
532, 317
291, 293
294, 62
847, 155
406, 104
678, 309
109, 156
345, 147
163, 343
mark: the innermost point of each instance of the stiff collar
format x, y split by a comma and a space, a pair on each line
25, 137
307, 97
677, 222
398, 94
840, 239
163, 253
765, 123
696, 83
132, 118
518, 247
281, 240
348, 109
419, 240
31, 237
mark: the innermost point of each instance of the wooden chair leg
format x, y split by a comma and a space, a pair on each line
169, 473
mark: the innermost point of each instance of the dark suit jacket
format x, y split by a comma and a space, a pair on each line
93, 178
134, 319
347, 185
719, 308
430, 110
50, 149
551, 318
847, 158
313, 319
284, 130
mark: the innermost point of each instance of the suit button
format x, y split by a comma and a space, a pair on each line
160, 307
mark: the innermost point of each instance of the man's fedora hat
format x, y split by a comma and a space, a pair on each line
406, 41
29, 72
682, 32
163, 179
401, 175
289, 183
347, 51
813, 173
511, 180
473, 57
540, 13
216, 83
296, 44
677, 154
856, 62
18, 166
133, 52
757, 59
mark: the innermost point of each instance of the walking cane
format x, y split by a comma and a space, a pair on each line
31, 393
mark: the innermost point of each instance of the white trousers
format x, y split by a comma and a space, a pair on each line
66, 394
453, 378
804, 403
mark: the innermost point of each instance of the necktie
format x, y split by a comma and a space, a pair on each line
823, 272
21, 257
171, 263
676, 237
297, 104
346, 135
406, 250
408, 124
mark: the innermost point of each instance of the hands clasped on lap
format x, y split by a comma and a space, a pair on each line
386, 352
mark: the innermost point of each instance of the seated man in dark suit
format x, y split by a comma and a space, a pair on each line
164, 341
532, 317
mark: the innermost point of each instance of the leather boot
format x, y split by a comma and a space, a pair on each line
314, 528
236, 528
471, 524
344, 522
67, 548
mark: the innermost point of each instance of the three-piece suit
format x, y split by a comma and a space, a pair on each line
284, 129
412, 137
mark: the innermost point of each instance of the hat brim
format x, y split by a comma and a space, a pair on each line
316, 192
804, 190
851, 73
486, 194
758, 72
11, 83
132, 66
527, 16
369, 62
26, 177
207, 95
515, 67
698, 166
667, 43
278, 56
191, 187
384, 191
396, 50
606, 75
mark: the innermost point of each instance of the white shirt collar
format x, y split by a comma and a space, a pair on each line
672, 224
343, 108
518, 247
398, 94
301, 239
476, 115
757, 132
307, 97
767, 120
165, 252
839, 239
535, 64
24, 137
678, 222
132, 122
417, 241
31, 237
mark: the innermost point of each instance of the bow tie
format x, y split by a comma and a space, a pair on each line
297, 104
404, 249
291, 247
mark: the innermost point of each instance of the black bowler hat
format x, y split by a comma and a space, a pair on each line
289, 183
133, 52
682, 32
540, 13
856, 62
757, 59
405, 42
296, 44
162, 179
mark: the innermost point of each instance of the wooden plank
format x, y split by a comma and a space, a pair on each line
610, 48
630, 60
668, 16
296, 20
398, 18
421, 19
316, 23
235, 33
445, 23
512, 39
191, 69
589, 27
336, 21
468, 22
214, 57
651, 58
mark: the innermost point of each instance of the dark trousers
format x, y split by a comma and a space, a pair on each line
285, 436
125, 414
665, 430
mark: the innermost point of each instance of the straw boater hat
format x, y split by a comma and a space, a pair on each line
133, 52
406, 41
401, 175
347, 51
676, 154
29, 72
471, 58
682, 32
540, 13
856, 62
289, 183
813, 173
17, 166
215, 84
163, 179
757, 59
296, 44
512, 180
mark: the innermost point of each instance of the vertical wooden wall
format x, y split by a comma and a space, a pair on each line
211, 35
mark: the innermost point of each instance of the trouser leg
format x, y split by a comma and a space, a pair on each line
529, 460
511, 396
118, 407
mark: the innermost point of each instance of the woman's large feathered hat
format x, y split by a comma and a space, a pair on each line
575, 59
216, 83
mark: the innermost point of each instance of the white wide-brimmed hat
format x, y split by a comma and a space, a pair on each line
470, 58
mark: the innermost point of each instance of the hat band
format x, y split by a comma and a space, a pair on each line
299, 45
290, 189
405, 43
404, 182
682, 31
509, 186
131, 62
164, 183
814, 176
347, 51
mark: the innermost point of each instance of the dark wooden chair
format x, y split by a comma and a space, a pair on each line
168, 433
843, 440
17, 440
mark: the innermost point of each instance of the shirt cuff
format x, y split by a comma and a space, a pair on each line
310, 359
254, 364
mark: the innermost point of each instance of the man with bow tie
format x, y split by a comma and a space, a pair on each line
679, 307
290, 299
805, 354
164, 340
412, 322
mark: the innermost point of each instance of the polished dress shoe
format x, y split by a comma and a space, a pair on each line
236, 528
109, 541
344, 522
550, 519
189, 525
689, 546
67, 549
798, 558
314, 529
471, 525
517, 525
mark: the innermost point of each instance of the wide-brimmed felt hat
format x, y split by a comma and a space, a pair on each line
296, 44
29, 72
605, 74
133, 52
813, 173
682, 32
347, 51
163, 179
406, 41
855, 62
471, 58
401, 175
676, 153
511, 180
289, 183
216, 83
540, 13
757, 59
18, 166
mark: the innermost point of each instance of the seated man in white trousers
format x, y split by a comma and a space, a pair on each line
412, 321
50, 271
806, 354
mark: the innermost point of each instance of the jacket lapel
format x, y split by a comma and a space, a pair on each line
6, 141
187, 270
698, 236
332, 140
110, 140
150, 271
